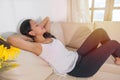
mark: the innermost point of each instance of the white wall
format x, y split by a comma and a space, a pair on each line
7, 17
13, 11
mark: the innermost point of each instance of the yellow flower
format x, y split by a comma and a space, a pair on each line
1, 52
13, 52
0, 65
7, 54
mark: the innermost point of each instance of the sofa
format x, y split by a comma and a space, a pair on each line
72, 35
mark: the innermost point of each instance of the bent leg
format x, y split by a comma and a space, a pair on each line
93, 40
91, 63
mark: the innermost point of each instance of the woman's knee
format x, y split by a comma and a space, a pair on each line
100, 31
100, 34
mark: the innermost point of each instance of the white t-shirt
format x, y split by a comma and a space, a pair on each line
62, 60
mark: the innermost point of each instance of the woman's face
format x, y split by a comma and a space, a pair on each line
36, 29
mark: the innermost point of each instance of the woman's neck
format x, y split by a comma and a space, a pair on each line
39, 39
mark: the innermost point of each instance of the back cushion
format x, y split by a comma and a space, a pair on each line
75, 33
57, 31
112, 28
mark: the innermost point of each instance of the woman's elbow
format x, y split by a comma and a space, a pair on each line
11, 39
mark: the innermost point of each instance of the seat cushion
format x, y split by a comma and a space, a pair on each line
66, 77
106, 76
110, 67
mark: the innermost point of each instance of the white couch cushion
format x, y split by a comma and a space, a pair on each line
106, 76
75, 33
110, 67
111, 27
31, 67
67, 77
57, 31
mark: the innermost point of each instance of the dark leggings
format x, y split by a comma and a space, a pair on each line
93, 57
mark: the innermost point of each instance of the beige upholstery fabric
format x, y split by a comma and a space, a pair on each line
106, 76
110, 67
57, 31
31, 67
66, 77
112, 28
98, 76
75, 33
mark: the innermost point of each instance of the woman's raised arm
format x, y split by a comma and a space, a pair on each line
46, 23
25, 43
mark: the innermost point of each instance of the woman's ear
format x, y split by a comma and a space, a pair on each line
31, 33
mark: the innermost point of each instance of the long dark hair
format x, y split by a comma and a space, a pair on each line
25, 28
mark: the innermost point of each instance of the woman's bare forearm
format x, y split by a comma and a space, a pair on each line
24, 43
21, 37
18, 40
46, 24
44, 21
